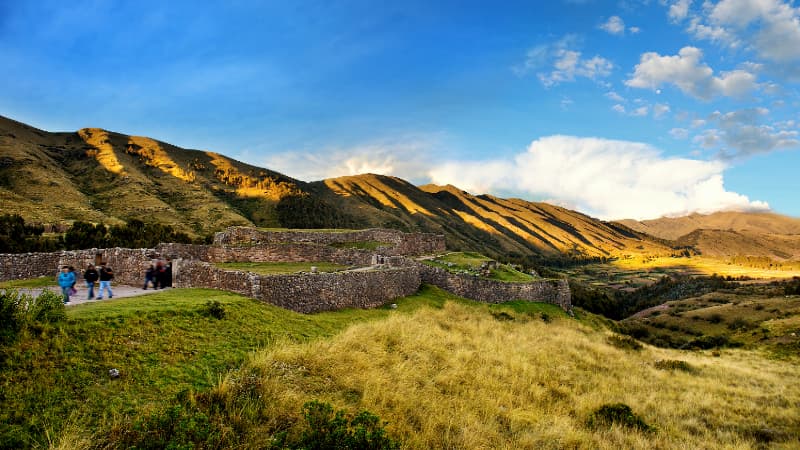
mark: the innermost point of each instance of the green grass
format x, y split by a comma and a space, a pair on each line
162, 344
29, 283
270, 268
362, 245
471, 262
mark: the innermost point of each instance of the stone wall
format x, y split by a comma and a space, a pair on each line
305, 293
406, 244
128, 264
268, 252
491, 291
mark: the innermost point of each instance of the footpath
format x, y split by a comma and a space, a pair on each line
120, 291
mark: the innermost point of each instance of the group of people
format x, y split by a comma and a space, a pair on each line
68, 278
158, 274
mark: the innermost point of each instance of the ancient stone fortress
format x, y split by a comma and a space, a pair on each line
374, 276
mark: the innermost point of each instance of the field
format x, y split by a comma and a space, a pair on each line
271, 268
31, 283
636, 272
443, 372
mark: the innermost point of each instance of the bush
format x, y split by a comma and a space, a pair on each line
546, 317
624, 342
10, 320
740, 324
674, 364
335, 430
176, 427
619, 414
48, 307
715, 318
502, 316
215, 309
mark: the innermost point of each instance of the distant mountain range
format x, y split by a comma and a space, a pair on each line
100, 176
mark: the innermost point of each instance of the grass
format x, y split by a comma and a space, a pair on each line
751, 316
443, 372
271, 268
471, 262
457, 377
362, 245
29, 283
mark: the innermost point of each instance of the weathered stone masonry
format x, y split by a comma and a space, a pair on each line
395, 276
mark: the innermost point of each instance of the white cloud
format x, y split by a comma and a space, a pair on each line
614, 96
659, 110
697, 123
640, 111
770, 27
560, 62
605, 178
618, 108
614, 25
679, 133
405, 159
694, 78
742, 133
679, 10
634, 30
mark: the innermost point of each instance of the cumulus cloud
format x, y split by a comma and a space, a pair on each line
686, 71
743, 133
408, 160
561, 62
614, 25
606, 178
659, 110
770, 28
679, 10
614, 96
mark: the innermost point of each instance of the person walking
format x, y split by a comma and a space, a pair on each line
66, 280
106, 275
150, 277
90, 275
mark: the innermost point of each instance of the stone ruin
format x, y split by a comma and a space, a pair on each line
374, 277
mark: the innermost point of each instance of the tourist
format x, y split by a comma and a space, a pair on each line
106, 275
90, 276
72, 289
150, 277
158, 275
66, 280
168, 273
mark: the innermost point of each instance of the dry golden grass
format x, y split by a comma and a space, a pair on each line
459, 378
698, 265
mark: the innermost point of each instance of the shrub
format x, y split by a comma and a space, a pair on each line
546, 317
48, 307
739, 324
502, 316
715, 318
674, 364
619, 414
176, 427
336, 430
10, 321
215, 309
624, 342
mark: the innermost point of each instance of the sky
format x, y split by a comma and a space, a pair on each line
619, 109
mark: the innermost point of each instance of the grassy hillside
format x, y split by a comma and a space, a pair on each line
483, 223
443, 372
100, 176
725, 234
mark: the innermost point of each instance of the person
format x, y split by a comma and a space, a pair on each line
72, 289
90, 275
150, 276
159, 275
168, 273
66, 280
106, 275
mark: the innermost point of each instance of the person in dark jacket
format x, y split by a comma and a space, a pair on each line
168, 273
90, 276
106, 275
150, 277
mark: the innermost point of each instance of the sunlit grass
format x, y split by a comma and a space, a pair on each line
698, 265
460, 377
30, 283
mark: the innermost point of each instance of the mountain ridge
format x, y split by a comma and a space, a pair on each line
97, 175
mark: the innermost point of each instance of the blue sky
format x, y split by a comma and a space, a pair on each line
615, 108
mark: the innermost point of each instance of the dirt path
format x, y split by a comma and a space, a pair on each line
120, 291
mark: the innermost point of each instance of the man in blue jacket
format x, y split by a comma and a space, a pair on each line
66, 280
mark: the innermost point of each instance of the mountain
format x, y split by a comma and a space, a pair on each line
729, 233
100, 176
